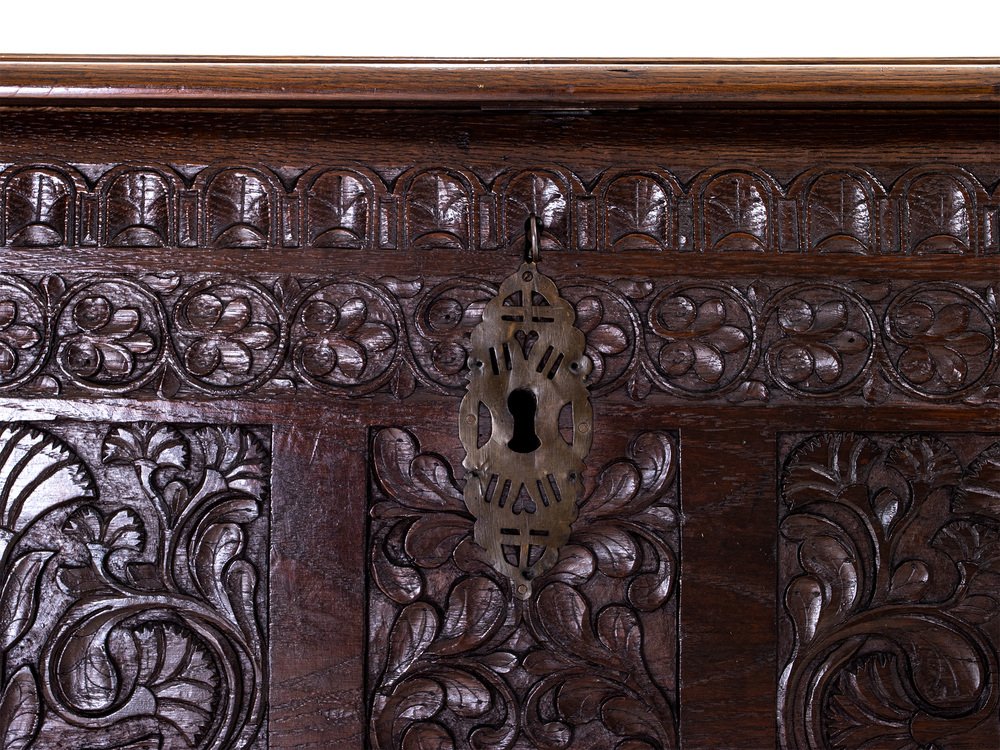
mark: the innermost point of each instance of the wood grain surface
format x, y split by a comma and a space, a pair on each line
535, 83
236, 307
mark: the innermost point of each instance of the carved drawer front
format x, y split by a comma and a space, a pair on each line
370, 407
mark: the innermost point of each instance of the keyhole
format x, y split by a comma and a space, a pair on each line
521, 404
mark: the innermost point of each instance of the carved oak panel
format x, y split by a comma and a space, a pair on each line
134, 585
930, 209
681, 340
889, 582
236, 307
457, 659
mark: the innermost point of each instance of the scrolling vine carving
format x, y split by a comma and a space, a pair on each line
131, 559
457, 659
685, 340
890, 570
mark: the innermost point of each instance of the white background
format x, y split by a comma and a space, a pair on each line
512, 28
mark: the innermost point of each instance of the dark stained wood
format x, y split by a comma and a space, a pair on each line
236, 300
545, 83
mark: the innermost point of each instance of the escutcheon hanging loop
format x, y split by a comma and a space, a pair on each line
526, 422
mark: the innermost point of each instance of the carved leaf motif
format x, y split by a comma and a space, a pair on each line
421, 481
134, 650
20, 712
465, 693
237, 455
619, 630
545, 195
162, 445
840, 215
219, 545
566, 617
736, 213
616, 552
180, 676
431, 541
926, 461
87, 672
401, 583
886, 574
427, 735
580, 698
650, 591
339, 208
870, 705
828, 466
628, 717
804, 601
979, 491
122, 531
138, 213
414, 630
19, 600
617, 486
558, 636
37, 472
575, 565
412, 702
638, 210
437, 211
939, 214
476, 608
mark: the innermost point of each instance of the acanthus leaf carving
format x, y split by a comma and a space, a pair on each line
455, 653
137, 646
888, 578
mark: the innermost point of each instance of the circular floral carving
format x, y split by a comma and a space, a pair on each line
22, 333
346, 337
703, 338
821, 339
228, 335
444, 320
940, 339
112, 335
611, 325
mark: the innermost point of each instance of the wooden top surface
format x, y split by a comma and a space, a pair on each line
182, 81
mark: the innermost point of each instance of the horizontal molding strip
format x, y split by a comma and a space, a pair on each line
829, 208
543, 83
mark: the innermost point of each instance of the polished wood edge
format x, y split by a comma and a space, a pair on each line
178, 81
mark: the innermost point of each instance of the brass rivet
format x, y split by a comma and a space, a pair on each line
470, 418
583, 427
521, 588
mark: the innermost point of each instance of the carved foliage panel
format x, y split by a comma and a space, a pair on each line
347, 335
457, 659
829, 208
889, 626
133, 606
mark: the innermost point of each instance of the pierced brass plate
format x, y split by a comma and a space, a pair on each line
526, 424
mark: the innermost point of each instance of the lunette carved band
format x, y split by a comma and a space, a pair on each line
684, 340
133, 562
831, 208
